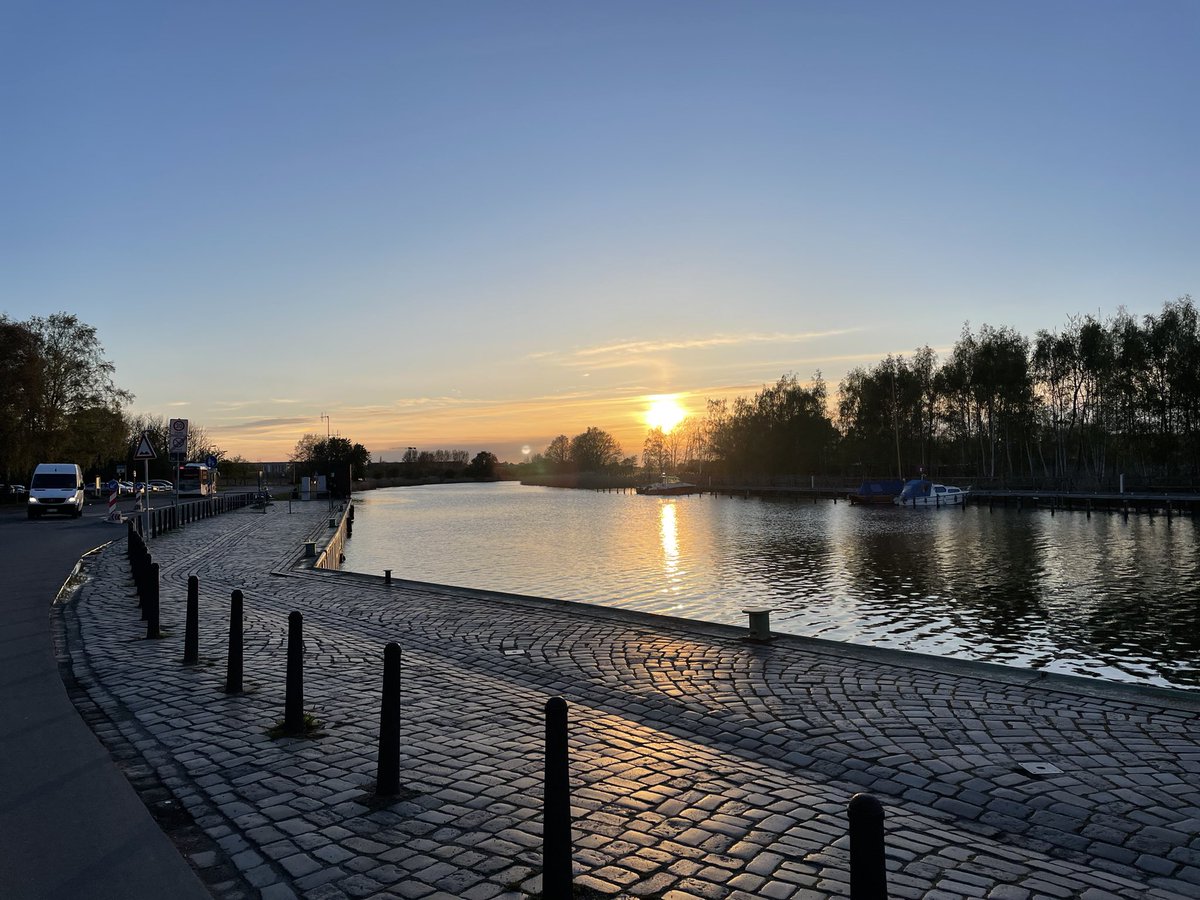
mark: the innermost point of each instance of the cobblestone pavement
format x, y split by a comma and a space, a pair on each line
703, 765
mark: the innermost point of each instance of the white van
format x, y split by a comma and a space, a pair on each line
56, 487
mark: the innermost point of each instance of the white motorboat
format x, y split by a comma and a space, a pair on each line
669, 485
920, 492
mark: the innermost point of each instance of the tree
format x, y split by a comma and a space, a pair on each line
305, 449
75, 379
558, 452
483, 465
654, 451
593, 450
336, 458
784, 429
20, 375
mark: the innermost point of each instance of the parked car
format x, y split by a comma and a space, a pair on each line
158, 484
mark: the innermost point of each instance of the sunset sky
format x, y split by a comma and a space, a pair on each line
478, 225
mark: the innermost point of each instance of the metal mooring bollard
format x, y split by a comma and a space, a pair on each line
556, 815
868, 867
760, 624
387, 773
387, 576
293, 704
233, 668
191, 629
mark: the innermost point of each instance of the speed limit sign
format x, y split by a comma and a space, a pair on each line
177, 435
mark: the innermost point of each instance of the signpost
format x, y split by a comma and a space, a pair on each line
177, 431
177, 437
145, 452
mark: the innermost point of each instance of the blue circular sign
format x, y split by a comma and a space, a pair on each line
211, 462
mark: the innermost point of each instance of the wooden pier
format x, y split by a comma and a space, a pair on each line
1170, 505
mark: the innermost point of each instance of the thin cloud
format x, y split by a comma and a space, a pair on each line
625, 353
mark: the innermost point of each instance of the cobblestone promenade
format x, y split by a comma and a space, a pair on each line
703, 765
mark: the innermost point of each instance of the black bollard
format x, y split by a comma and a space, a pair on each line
293, 704
141, 579
387, 773
233, 670
191, 630
556, 817
868, 869
152, 602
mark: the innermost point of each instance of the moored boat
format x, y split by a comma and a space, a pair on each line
921, 492
877, 491
670, 484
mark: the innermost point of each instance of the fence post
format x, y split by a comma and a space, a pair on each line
387, 774
233, 669
868, 868
556, 816
152, 602
293, 704
191, 630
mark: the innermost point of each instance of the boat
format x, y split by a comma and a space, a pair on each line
669, 485
877, 491
921, 492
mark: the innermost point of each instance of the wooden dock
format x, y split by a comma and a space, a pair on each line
1169, 505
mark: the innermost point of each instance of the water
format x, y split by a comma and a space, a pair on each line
1102, 596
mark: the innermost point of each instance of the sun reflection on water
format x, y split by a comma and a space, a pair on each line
668, 530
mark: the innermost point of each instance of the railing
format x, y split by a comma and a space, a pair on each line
166, 518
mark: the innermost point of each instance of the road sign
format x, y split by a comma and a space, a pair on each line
211, 462
177, 436
144, 450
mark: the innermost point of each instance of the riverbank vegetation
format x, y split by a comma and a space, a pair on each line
1077, 406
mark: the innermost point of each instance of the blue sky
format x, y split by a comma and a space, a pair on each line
478, 225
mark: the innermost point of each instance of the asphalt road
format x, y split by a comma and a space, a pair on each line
70, 824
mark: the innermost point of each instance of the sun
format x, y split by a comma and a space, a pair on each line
665, 412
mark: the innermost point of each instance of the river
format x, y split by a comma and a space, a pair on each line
1098, 596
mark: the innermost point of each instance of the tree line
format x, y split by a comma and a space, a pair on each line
1077, 405
1081, 403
